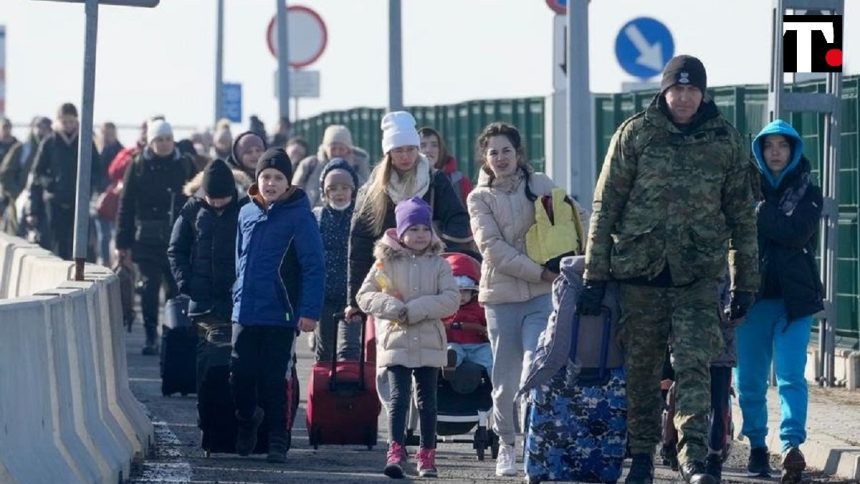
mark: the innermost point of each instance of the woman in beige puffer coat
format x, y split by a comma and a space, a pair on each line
409, 290
514, 289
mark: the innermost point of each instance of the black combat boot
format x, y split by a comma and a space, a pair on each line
714, 466
641, 470
694, 472
793, 465
246, 432
279, 444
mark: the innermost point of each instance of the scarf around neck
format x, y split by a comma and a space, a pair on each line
399, 190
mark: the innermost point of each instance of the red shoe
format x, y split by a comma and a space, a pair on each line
396, 459
427, 463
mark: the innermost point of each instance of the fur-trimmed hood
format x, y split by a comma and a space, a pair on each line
195, 185
388, 247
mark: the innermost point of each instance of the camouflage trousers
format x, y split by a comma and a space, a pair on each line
686, 318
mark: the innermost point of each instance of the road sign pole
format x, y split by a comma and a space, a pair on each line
219, 63
283, 62
395, 57
85, 141
579, 117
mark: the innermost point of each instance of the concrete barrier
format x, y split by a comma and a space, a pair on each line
31, 448
25, 260
66, 411
129, 412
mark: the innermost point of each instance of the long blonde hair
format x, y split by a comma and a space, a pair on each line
376, 199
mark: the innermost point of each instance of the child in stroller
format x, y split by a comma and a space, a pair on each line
464, 393
466, 329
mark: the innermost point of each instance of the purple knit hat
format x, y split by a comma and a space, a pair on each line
412, 211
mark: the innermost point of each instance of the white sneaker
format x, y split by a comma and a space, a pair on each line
506, 461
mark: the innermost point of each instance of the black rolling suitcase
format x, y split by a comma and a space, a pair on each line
216, 415
178, 349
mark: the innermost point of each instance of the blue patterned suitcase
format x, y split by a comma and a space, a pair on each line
577, 423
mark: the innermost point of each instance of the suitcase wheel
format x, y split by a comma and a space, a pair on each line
314, 437
207, 454
533, 480
371, 438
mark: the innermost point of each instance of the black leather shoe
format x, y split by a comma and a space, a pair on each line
694, 472
246, 432
759, 463
714, 466
641, 470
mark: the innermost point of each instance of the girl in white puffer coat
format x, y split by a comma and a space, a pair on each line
409, 290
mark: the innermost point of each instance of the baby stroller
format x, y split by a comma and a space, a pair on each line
463, 403
463, 397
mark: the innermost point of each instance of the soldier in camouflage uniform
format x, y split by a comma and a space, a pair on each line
672, 201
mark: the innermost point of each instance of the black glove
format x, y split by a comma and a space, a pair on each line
740, 304
591, 299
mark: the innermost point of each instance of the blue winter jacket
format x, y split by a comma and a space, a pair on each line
280, 267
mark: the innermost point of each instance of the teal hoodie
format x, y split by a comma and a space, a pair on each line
778, 126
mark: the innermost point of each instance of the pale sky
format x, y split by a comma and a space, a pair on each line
162, 60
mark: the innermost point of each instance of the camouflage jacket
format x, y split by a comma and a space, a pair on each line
669, 197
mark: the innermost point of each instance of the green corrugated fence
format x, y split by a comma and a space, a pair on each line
745, 106
459, 124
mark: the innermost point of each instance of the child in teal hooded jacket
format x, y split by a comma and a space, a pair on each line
777, 326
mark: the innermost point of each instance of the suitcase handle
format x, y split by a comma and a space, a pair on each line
361, 356
604, 344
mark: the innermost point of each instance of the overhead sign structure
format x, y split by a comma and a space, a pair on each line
83, 182
232, 97
302, 84
307, 33
122, 3
2, 70
557, 6
643, 47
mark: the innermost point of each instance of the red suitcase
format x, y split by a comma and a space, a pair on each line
343, 408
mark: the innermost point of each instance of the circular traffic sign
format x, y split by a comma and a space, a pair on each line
307, 36
558, 6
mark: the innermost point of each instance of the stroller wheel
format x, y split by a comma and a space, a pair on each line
494, 444
481, 443
411, 438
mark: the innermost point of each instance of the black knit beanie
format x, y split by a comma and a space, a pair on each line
275, 158
684, 70
218, 180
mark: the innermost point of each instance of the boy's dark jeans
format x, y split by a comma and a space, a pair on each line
258, 367
400, 381
348, 335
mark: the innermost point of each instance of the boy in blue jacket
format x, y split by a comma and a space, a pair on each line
280, 281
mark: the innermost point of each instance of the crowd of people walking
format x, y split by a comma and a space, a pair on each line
708, 243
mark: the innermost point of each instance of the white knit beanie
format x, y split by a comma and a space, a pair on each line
158, 127
398, 129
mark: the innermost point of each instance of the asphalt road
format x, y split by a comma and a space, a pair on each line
177, 456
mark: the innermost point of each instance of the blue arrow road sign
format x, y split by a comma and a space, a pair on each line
232, 99
643, 47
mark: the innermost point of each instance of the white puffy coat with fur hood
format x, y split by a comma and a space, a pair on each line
500, 216
424, 286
